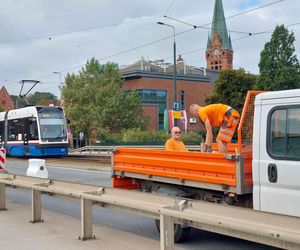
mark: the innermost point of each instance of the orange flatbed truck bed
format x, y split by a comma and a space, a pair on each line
230, 173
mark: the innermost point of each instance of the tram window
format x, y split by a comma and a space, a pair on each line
33, 129
15, 130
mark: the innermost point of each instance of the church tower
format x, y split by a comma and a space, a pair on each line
219, 53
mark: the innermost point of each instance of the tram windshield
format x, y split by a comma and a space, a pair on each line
52, 124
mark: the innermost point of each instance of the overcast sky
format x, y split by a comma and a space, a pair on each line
39, 37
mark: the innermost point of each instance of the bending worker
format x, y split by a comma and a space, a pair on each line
217, 115
175, 143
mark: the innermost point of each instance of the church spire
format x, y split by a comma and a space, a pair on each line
219, 53
219, 25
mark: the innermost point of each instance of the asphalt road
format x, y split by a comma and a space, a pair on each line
128, 222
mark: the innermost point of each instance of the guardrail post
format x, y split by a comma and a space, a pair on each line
86, 220
2, 197
166, 232
36, 206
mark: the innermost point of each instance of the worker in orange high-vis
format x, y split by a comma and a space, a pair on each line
217, 115
175, 143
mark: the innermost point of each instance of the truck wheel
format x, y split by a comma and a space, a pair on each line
180, 233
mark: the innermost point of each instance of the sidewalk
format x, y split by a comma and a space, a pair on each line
61, 232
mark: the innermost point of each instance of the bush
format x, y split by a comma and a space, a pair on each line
138, 136
104, 136
191, 137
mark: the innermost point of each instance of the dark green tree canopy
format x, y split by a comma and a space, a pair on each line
94, 100
38, 98
231, 88
279, 66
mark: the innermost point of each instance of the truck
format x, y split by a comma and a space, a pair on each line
261, 170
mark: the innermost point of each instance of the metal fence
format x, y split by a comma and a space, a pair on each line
109, 149
271, 229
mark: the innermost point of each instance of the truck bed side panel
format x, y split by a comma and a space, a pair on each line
195, 166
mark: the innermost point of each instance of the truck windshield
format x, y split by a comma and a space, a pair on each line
52, 124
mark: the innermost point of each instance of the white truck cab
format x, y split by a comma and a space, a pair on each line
276, 152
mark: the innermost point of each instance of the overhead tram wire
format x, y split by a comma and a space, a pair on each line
254, 9
237, 39
199, 49
170, 6
165, 38
202, 27
232, 16
129, 50
129, 22
168, 37
76, 31
229, 17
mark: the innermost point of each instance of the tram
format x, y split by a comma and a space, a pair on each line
37, 131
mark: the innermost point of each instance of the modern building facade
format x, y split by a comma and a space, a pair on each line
153, 80
219, 52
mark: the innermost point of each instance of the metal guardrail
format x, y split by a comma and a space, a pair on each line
109, 149
271, 229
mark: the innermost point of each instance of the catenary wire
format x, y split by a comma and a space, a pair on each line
168, 37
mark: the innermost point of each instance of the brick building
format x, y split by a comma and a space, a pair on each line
6, 102
219, 53
153, 80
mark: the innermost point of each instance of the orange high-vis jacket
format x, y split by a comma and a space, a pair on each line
214, 113
175, 145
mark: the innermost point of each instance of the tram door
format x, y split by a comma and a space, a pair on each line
30, 130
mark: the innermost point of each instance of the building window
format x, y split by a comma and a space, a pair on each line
158, 97
284, 134
182, 100
3, 102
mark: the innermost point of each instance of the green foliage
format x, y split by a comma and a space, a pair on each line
38, 98
231, 88
192, 136
137, 135
104, 136
18, 102
279, 67
94, 100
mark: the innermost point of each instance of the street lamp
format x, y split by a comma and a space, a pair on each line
174, 48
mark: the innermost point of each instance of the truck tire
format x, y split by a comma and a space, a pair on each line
181, 233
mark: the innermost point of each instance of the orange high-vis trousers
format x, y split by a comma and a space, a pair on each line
228, 127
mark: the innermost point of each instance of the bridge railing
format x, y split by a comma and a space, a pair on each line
271, 229
108, 149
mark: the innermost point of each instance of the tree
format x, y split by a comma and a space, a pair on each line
94, 100
42, 98
231, 88
279, 67
18, 101
38, 98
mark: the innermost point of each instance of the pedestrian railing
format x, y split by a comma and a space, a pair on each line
271, 229
109, 149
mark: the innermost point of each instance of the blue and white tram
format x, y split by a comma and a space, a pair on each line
34, 131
